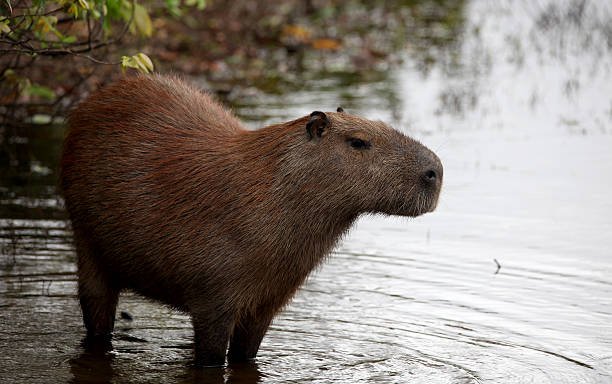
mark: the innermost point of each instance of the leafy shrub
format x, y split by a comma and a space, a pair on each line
34, 30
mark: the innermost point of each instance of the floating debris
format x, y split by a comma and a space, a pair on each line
498, 266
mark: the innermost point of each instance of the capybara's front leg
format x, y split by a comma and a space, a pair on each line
247, 336
211, 338
98, 312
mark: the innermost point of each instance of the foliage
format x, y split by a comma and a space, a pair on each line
236, 45
140, 62
34, 30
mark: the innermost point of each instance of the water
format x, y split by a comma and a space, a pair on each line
519, 108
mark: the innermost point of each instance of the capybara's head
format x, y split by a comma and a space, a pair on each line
369, 167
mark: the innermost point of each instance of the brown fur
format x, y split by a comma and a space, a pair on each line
171, 197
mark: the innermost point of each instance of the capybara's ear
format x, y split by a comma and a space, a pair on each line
317, 124
340, 109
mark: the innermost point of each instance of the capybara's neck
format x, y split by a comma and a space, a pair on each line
285, 210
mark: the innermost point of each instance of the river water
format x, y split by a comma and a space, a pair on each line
509, 281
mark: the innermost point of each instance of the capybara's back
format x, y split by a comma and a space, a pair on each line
171, 197
127, 167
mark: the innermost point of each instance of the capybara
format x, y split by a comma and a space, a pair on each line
170, 196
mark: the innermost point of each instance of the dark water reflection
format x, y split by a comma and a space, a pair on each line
517, 103
98, 364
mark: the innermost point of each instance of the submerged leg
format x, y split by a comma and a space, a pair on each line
98, 310
98, 296
248, 334
211, 337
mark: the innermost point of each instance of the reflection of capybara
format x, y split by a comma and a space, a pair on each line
171, 197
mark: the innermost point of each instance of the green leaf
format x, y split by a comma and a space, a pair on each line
40, 91
4, 26
45, 24
139, 62
200, 4
126, 62
84, 4
114, 8
68, 39
144, 62
73, 10
173, 7
142, 21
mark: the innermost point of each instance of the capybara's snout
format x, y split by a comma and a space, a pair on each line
431, 171
428, 184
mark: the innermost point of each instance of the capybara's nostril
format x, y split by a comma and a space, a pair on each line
431, 175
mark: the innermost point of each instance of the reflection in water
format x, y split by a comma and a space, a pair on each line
516, 101
93, 365
98, 363
244, 373
535, 66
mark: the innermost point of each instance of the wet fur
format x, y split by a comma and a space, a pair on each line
171, 197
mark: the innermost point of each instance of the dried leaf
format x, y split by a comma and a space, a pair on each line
296, 32
326, 44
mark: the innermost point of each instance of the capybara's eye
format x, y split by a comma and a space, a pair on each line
359, 144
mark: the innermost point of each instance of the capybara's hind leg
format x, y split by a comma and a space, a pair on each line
98, 296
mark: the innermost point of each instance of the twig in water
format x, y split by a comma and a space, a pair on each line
498, 266
46, 286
